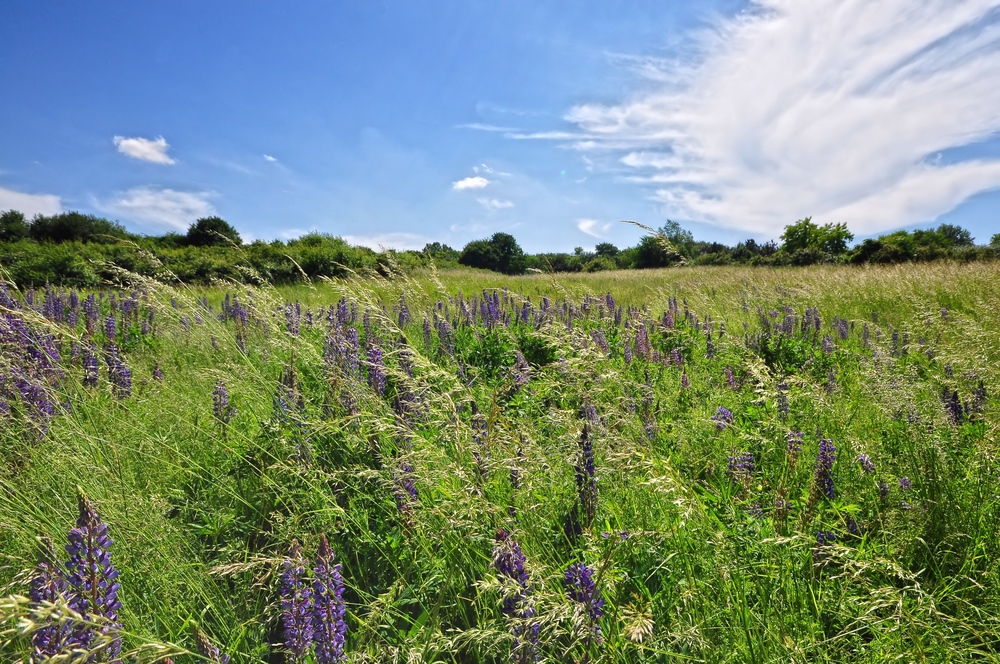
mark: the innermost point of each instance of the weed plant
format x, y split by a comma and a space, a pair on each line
700, 464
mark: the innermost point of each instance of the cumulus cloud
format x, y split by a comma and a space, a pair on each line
268, 157
494, 204
593, 227
839, 109
381, 241
159, 207
154, 151
476, 182
29, 204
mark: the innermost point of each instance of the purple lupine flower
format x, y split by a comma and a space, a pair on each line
905, 484
221, 408
90, 372
823, 476
508, 561
119, 374
627, 351
92, 579
867, 465
676, 358
48, 584
827, 344
709, 347
376, 369
480, 449
296, 605
600, 340
405, 489
158, 373
581, 587
723, 417
586, 478
793, 444
208, 650
783, 400
824, 538
329, 625
643, 348
730, 378
685, 381
109, 329
741, 467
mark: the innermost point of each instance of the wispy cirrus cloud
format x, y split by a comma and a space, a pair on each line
145, 149
475, 182
494, 204
839, 109
160, 207
381, 241
29, 204
594, 228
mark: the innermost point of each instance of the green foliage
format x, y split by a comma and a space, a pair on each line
76, 227
13, 226
210, 231
501, 253
713, 566
805, 236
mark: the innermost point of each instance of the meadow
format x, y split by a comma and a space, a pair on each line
697, 464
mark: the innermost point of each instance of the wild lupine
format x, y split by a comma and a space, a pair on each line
109, 329
783, 400
627, 351
586, 478
405, 489
866, 463
90, 371
119, 374
48, 584
376, 369
828, 344
158, 374
296, 605
480, 450
329, 625
831, 382
600, 340
824, 538
221, 407
508, 561
741, 467
905, 484
730, 378
709, 347
93, 580
723, 417
793, 444
581, 587
685, 381
823, 476
208, 650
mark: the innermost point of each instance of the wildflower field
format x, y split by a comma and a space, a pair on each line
690, 465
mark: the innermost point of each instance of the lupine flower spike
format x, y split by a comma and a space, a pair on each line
296, 605
329, 626
581, 588
92, 579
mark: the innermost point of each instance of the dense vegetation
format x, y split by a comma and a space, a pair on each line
698, 464
74, 249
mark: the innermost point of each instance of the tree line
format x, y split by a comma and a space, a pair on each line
78, 249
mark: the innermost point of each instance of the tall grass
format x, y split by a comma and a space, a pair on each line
697, 558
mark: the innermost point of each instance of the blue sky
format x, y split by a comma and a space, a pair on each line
399, 123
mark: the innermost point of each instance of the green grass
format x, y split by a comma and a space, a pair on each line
712, 571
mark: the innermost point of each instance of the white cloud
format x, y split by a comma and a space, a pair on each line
481, 126
494, 204
593, 227
832, 108
164, 208
29, 204
268, 157
381, 241
477, 182
145, 149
